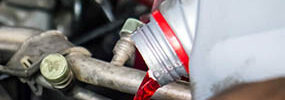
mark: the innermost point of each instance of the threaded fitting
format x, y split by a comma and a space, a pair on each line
54, 69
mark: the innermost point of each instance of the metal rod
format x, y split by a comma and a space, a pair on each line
84, 94
78, 93
16, 35
123, 79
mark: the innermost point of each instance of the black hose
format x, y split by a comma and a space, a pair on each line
98, 32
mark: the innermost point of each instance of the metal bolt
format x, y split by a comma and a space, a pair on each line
124, 48
54, 68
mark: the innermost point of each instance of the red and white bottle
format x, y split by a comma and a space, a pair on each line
165, 42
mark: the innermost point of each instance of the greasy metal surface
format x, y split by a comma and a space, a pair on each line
16, 35
83, 94
36, 47
124, 48
123, 79
11, 39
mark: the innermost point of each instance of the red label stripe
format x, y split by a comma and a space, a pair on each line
172, 39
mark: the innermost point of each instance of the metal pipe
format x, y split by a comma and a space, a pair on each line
78, 93
16, 35
84, 94
123, 79
11, 39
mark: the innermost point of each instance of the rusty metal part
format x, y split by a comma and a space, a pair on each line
39, 79
36, 47
76, 92
11, 39
16, 35
122, 51
54, 68
76, 50
20, 72
123, 79
124, 48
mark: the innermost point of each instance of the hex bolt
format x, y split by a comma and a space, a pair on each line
54, 69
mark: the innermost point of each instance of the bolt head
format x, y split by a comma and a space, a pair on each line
54, 67
130, 26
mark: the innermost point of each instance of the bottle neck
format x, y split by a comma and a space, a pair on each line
161, 50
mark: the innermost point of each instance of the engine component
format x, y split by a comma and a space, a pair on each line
89, 70
123, 79
74, 19
84, 94
11, 39
55, 69
36, 48
124, 48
